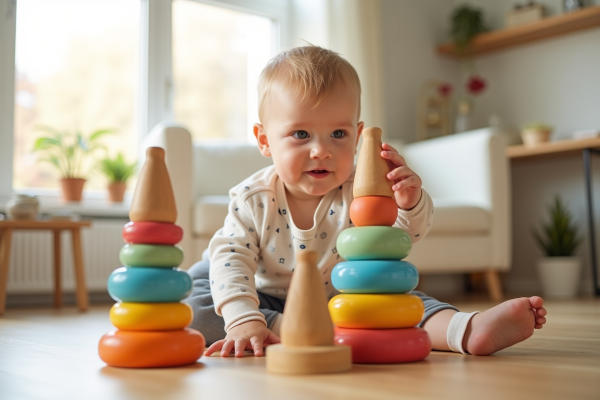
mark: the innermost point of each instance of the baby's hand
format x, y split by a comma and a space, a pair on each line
251, 335
407, 184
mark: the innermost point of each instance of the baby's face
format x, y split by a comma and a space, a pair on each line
312, 148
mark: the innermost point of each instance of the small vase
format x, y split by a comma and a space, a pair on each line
72, 188
116, 191
559, 276
22, 206
462, 122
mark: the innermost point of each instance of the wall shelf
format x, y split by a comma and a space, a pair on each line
548, 27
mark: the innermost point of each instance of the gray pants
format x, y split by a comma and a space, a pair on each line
212, 326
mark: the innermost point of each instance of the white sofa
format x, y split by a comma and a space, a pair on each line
466, 174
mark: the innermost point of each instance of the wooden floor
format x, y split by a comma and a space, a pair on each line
48, 354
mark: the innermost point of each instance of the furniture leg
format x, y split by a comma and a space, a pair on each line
5, 243
57, 270
82, 295
494, 287
587, 167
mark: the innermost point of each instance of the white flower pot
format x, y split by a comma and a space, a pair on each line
559, 276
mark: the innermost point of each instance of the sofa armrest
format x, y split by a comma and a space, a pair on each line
469, 168
177, 142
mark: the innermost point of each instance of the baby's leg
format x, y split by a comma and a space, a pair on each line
436, 327
495, 329
205, 319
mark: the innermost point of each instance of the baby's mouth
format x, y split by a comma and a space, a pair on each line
319, 173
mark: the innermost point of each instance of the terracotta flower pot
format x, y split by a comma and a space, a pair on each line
116, 191
72, 188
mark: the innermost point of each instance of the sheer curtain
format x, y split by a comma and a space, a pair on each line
351, 28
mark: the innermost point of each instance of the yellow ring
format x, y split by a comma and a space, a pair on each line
151, 316
376, 311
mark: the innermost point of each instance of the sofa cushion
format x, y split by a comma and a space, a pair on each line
454, 217
209, 215
450, 218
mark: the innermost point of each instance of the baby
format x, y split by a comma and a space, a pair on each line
309, 108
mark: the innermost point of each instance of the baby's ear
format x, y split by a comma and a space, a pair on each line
359, 129
262, 140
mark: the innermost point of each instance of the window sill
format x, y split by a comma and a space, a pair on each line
91, 206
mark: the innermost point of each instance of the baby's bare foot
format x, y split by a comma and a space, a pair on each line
504, 325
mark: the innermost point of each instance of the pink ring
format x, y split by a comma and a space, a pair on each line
385, 346
147, 232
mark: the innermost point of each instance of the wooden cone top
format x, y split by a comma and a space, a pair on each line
306, 319
371, 170
153, 199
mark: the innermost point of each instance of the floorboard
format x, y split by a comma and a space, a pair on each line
51, 354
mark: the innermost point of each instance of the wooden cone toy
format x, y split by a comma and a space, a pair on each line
371, 170
153, 199
306, 330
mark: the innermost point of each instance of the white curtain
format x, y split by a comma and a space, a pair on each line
351, 28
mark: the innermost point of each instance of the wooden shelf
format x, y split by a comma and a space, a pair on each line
548, 27
552, 149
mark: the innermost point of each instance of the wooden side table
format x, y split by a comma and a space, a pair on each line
6, 229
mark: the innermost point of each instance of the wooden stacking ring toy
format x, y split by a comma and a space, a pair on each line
133, 349
150, 255
151, 316
287, 360
383, 346
376, 311
374, 276
148, 232
374, 211
373, 243
149, 285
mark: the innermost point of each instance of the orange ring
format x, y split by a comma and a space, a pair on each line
373, 210
133, 349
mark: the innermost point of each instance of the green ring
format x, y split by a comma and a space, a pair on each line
373, 243
150, 255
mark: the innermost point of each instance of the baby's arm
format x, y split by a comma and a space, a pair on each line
234, 256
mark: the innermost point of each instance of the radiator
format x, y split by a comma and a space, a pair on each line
31, 260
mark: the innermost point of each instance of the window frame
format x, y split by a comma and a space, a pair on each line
156, 73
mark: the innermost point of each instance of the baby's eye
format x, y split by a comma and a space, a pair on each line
338, 134
300, 135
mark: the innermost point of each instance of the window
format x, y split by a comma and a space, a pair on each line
218, 54
76, 69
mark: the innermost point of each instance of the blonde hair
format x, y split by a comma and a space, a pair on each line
313, 71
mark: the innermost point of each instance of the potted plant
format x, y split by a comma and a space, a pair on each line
68, 151
535, 133
466, 23
118, 172
559, 238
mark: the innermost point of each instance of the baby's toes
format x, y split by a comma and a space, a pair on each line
538, 326
541, 312
540, 320
536, 302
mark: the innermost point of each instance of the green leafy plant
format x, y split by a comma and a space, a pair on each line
117, 169
537, 126
466, 22
559, 237
68, 151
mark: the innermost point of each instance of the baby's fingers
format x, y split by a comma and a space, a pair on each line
257, 346
387, 147
240, 346
216, 346
393, 157
227, 347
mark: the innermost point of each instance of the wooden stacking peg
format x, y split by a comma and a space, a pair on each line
306, 330
371, 170
153, 199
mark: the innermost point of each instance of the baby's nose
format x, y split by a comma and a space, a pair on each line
320, 151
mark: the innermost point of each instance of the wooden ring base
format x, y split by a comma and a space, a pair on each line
282, 359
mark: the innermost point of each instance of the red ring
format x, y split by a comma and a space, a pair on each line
148, 232
385, 346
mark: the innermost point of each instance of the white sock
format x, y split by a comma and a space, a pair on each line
456, 331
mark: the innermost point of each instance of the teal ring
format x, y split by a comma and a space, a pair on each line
373, 243
149, 285
374, 276
151, 255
